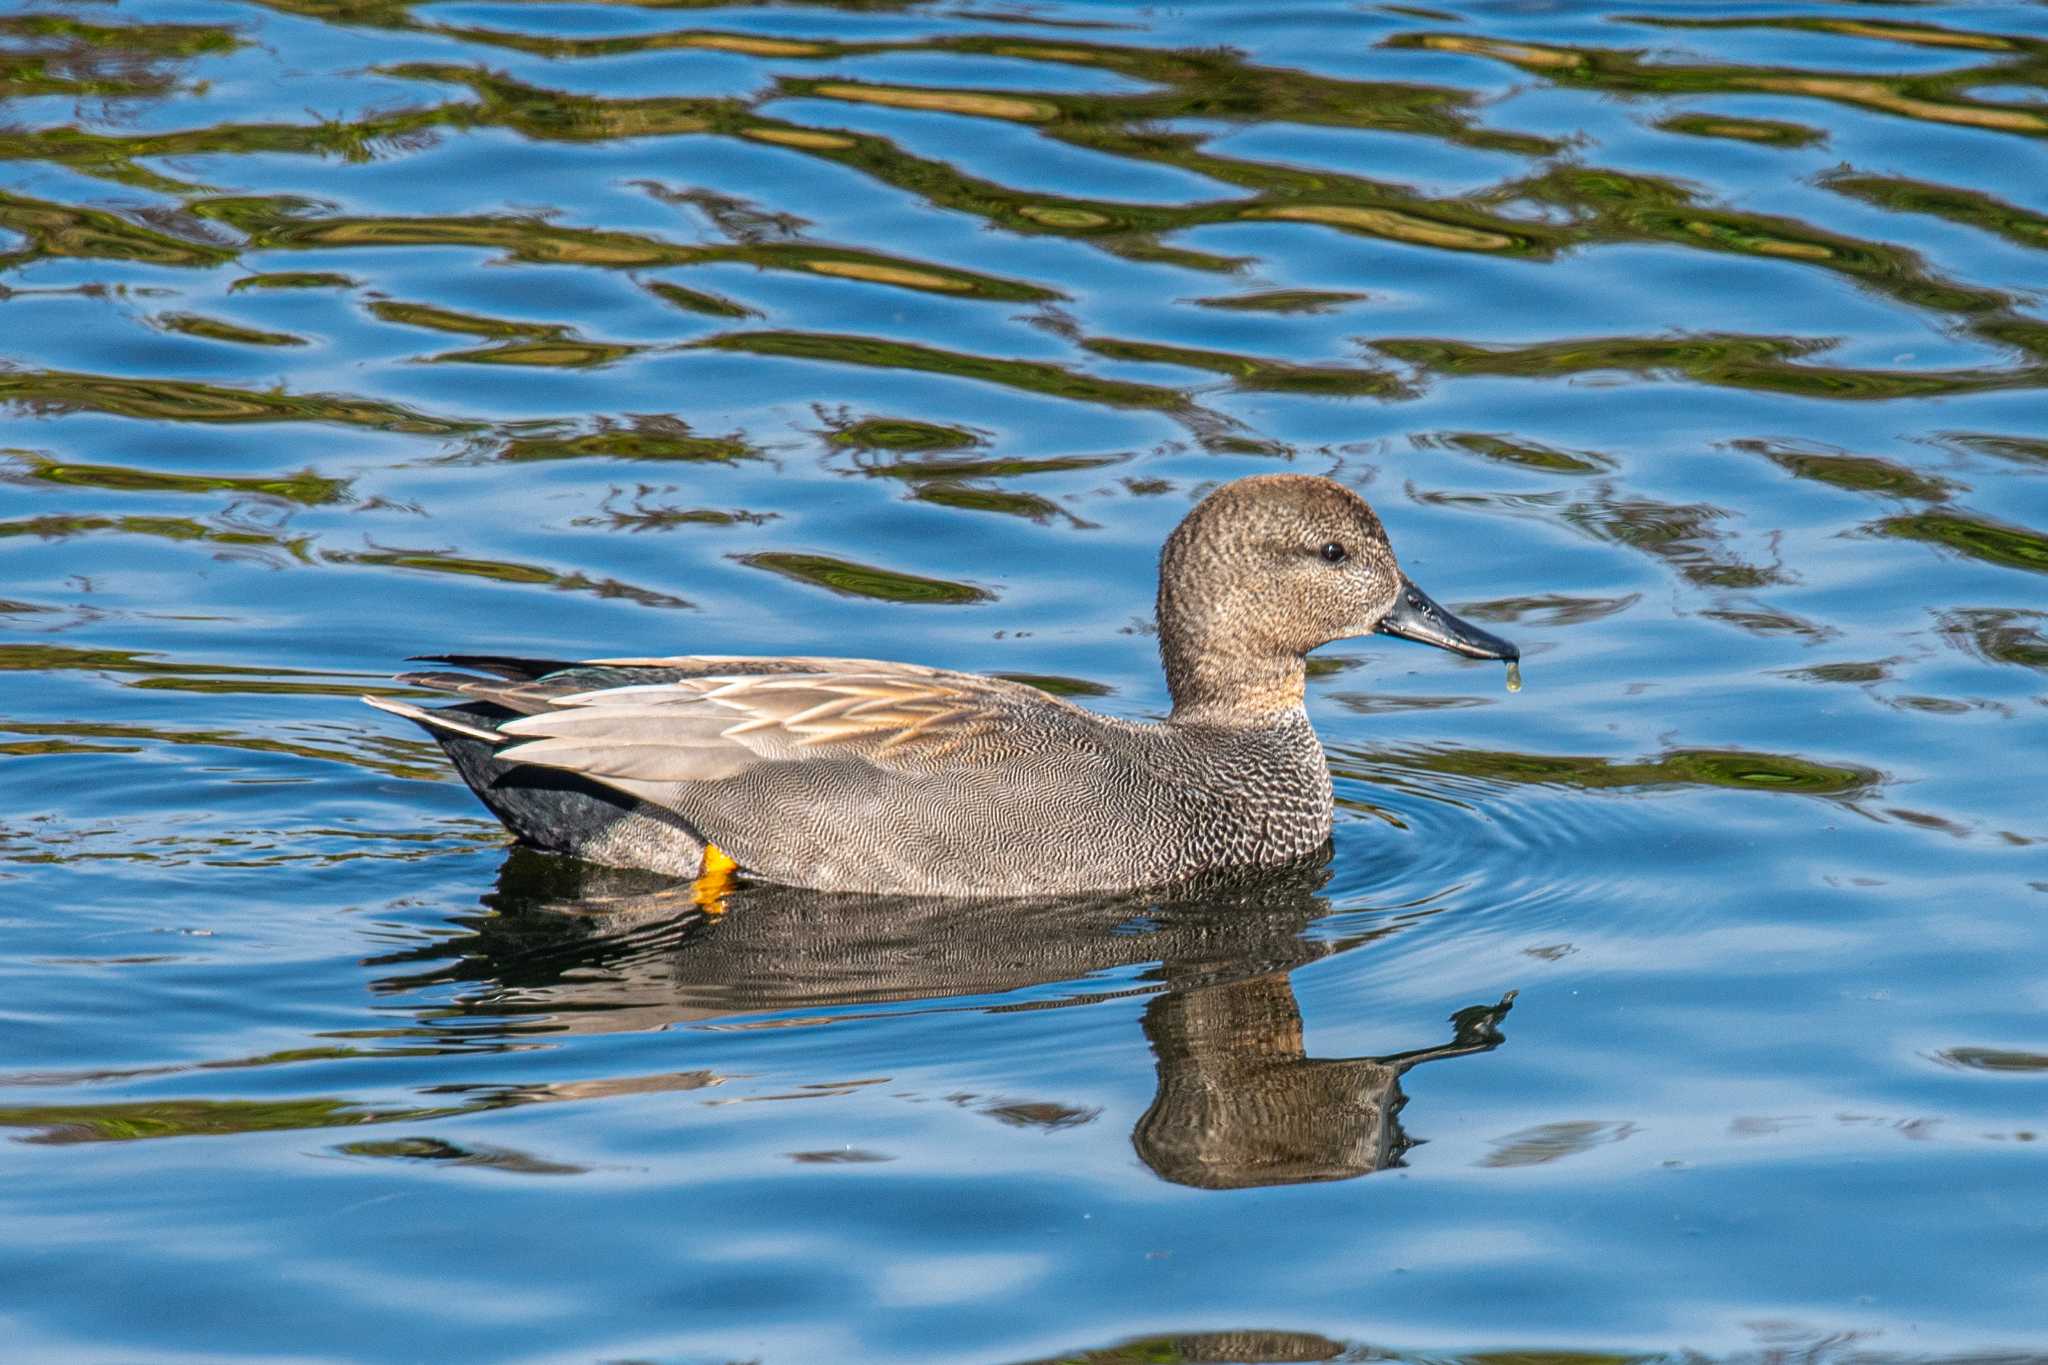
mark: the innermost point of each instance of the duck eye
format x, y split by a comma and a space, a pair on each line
1335, 553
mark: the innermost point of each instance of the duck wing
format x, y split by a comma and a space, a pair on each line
704, 719
774, 760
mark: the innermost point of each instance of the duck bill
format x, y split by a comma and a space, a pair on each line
1416, 616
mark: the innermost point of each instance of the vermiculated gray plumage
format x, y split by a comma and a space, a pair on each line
864, 775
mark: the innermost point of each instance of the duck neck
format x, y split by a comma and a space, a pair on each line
1223, 683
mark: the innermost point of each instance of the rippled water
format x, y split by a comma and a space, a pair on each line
1691, 1000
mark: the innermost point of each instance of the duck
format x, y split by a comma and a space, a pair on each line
878, 777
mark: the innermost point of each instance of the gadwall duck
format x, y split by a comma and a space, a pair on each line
859, 775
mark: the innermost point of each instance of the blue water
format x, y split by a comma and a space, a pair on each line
1688, 1003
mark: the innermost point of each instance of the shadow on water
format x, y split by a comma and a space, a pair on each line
572, 948
1239, 1102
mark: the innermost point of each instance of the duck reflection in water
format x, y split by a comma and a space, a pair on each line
1238, 1102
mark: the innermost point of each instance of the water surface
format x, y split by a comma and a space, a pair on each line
1689, 1003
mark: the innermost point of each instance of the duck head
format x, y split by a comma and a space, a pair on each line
1265, 569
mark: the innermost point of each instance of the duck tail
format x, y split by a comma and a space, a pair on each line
437, 723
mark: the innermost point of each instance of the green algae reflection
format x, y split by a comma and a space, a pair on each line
1848, 672
306, 487
122, 42
1060, 685
302, 551
280, 550
1284, 301
1216, 83
1756, 131
1931, 97
152, 671
1727, 769
1684, 535
1610, 205
968, 497
1030, 376
502, 571
1967, 207
439, 319
1115, 125
63, 1124
1855, 473
292, 279
286, 224
1996, 1059
447, 1153
1189, 1348
519, 343
2001, 636
924, 468
645, 437
391, 756
642, 514
849, 579
564, 353
1908, 32
2023, 449
1309, 1348
219, 329
184, 400
1527, 454
1763, 363
140, 1120
2011, 547
900, 433
1185, 83
699, 301
1253, 374
61, 230
1598, 205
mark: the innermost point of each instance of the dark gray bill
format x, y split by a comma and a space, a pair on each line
1417, 617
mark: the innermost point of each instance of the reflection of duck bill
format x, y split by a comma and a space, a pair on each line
1240, 1104
1417, 616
